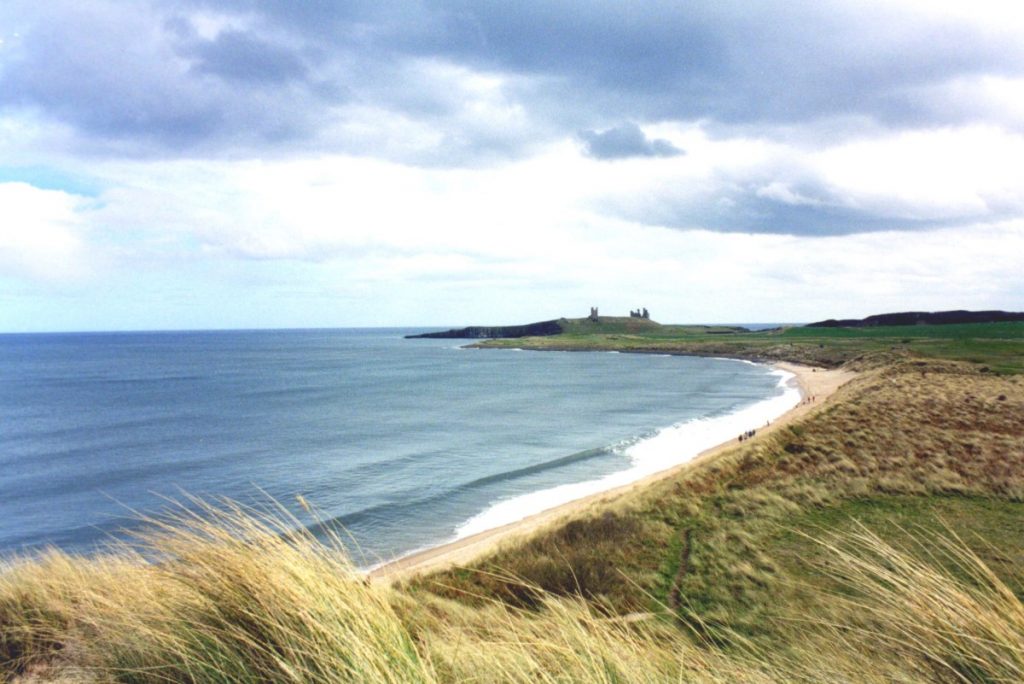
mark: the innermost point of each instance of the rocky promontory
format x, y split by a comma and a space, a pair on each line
478, 332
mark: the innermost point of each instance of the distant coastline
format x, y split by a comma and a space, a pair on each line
592, 325
922, 318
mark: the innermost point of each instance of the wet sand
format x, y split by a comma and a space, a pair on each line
814, 382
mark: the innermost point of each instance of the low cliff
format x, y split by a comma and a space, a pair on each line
477, 332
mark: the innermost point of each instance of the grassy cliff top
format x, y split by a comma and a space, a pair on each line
998, 347
610, 325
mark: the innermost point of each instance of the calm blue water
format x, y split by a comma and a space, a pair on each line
399, 440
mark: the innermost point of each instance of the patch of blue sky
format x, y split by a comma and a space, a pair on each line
48, 178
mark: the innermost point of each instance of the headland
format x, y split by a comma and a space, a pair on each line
822, 356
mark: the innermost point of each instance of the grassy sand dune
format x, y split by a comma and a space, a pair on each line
239, 599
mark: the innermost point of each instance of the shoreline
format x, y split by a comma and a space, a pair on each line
812, 382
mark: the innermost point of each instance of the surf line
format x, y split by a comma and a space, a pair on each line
663, 452
668, 447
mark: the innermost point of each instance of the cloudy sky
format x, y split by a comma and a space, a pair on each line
178, 164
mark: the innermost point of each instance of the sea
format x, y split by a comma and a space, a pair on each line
401, 443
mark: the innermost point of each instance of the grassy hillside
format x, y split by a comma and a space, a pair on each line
1006, 331
624, 325
994, 345
878, 539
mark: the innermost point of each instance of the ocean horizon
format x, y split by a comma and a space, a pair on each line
406, 329
405, 444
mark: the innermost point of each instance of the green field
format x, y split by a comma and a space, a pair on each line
955, 331
997, 346
620, 325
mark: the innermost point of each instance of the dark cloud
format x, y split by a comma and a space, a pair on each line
207, 78
275, 78
625, 140
82, 69
241, 56
142, 71
750, 213
730, 62
744, 210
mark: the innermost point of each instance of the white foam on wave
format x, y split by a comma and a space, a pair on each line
669, 447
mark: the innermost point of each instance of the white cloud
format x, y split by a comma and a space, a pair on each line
40, 233
997, 98
922, 177
928, 174
997, 16
341, 240
427, 161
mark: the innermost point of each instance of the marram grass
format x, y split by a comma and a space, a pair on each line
234, 595
936, 602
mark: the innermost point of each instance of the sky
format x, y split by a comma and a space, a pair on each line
208, 164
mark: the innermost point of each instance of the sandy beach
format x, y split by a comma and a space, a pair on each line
818, 383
